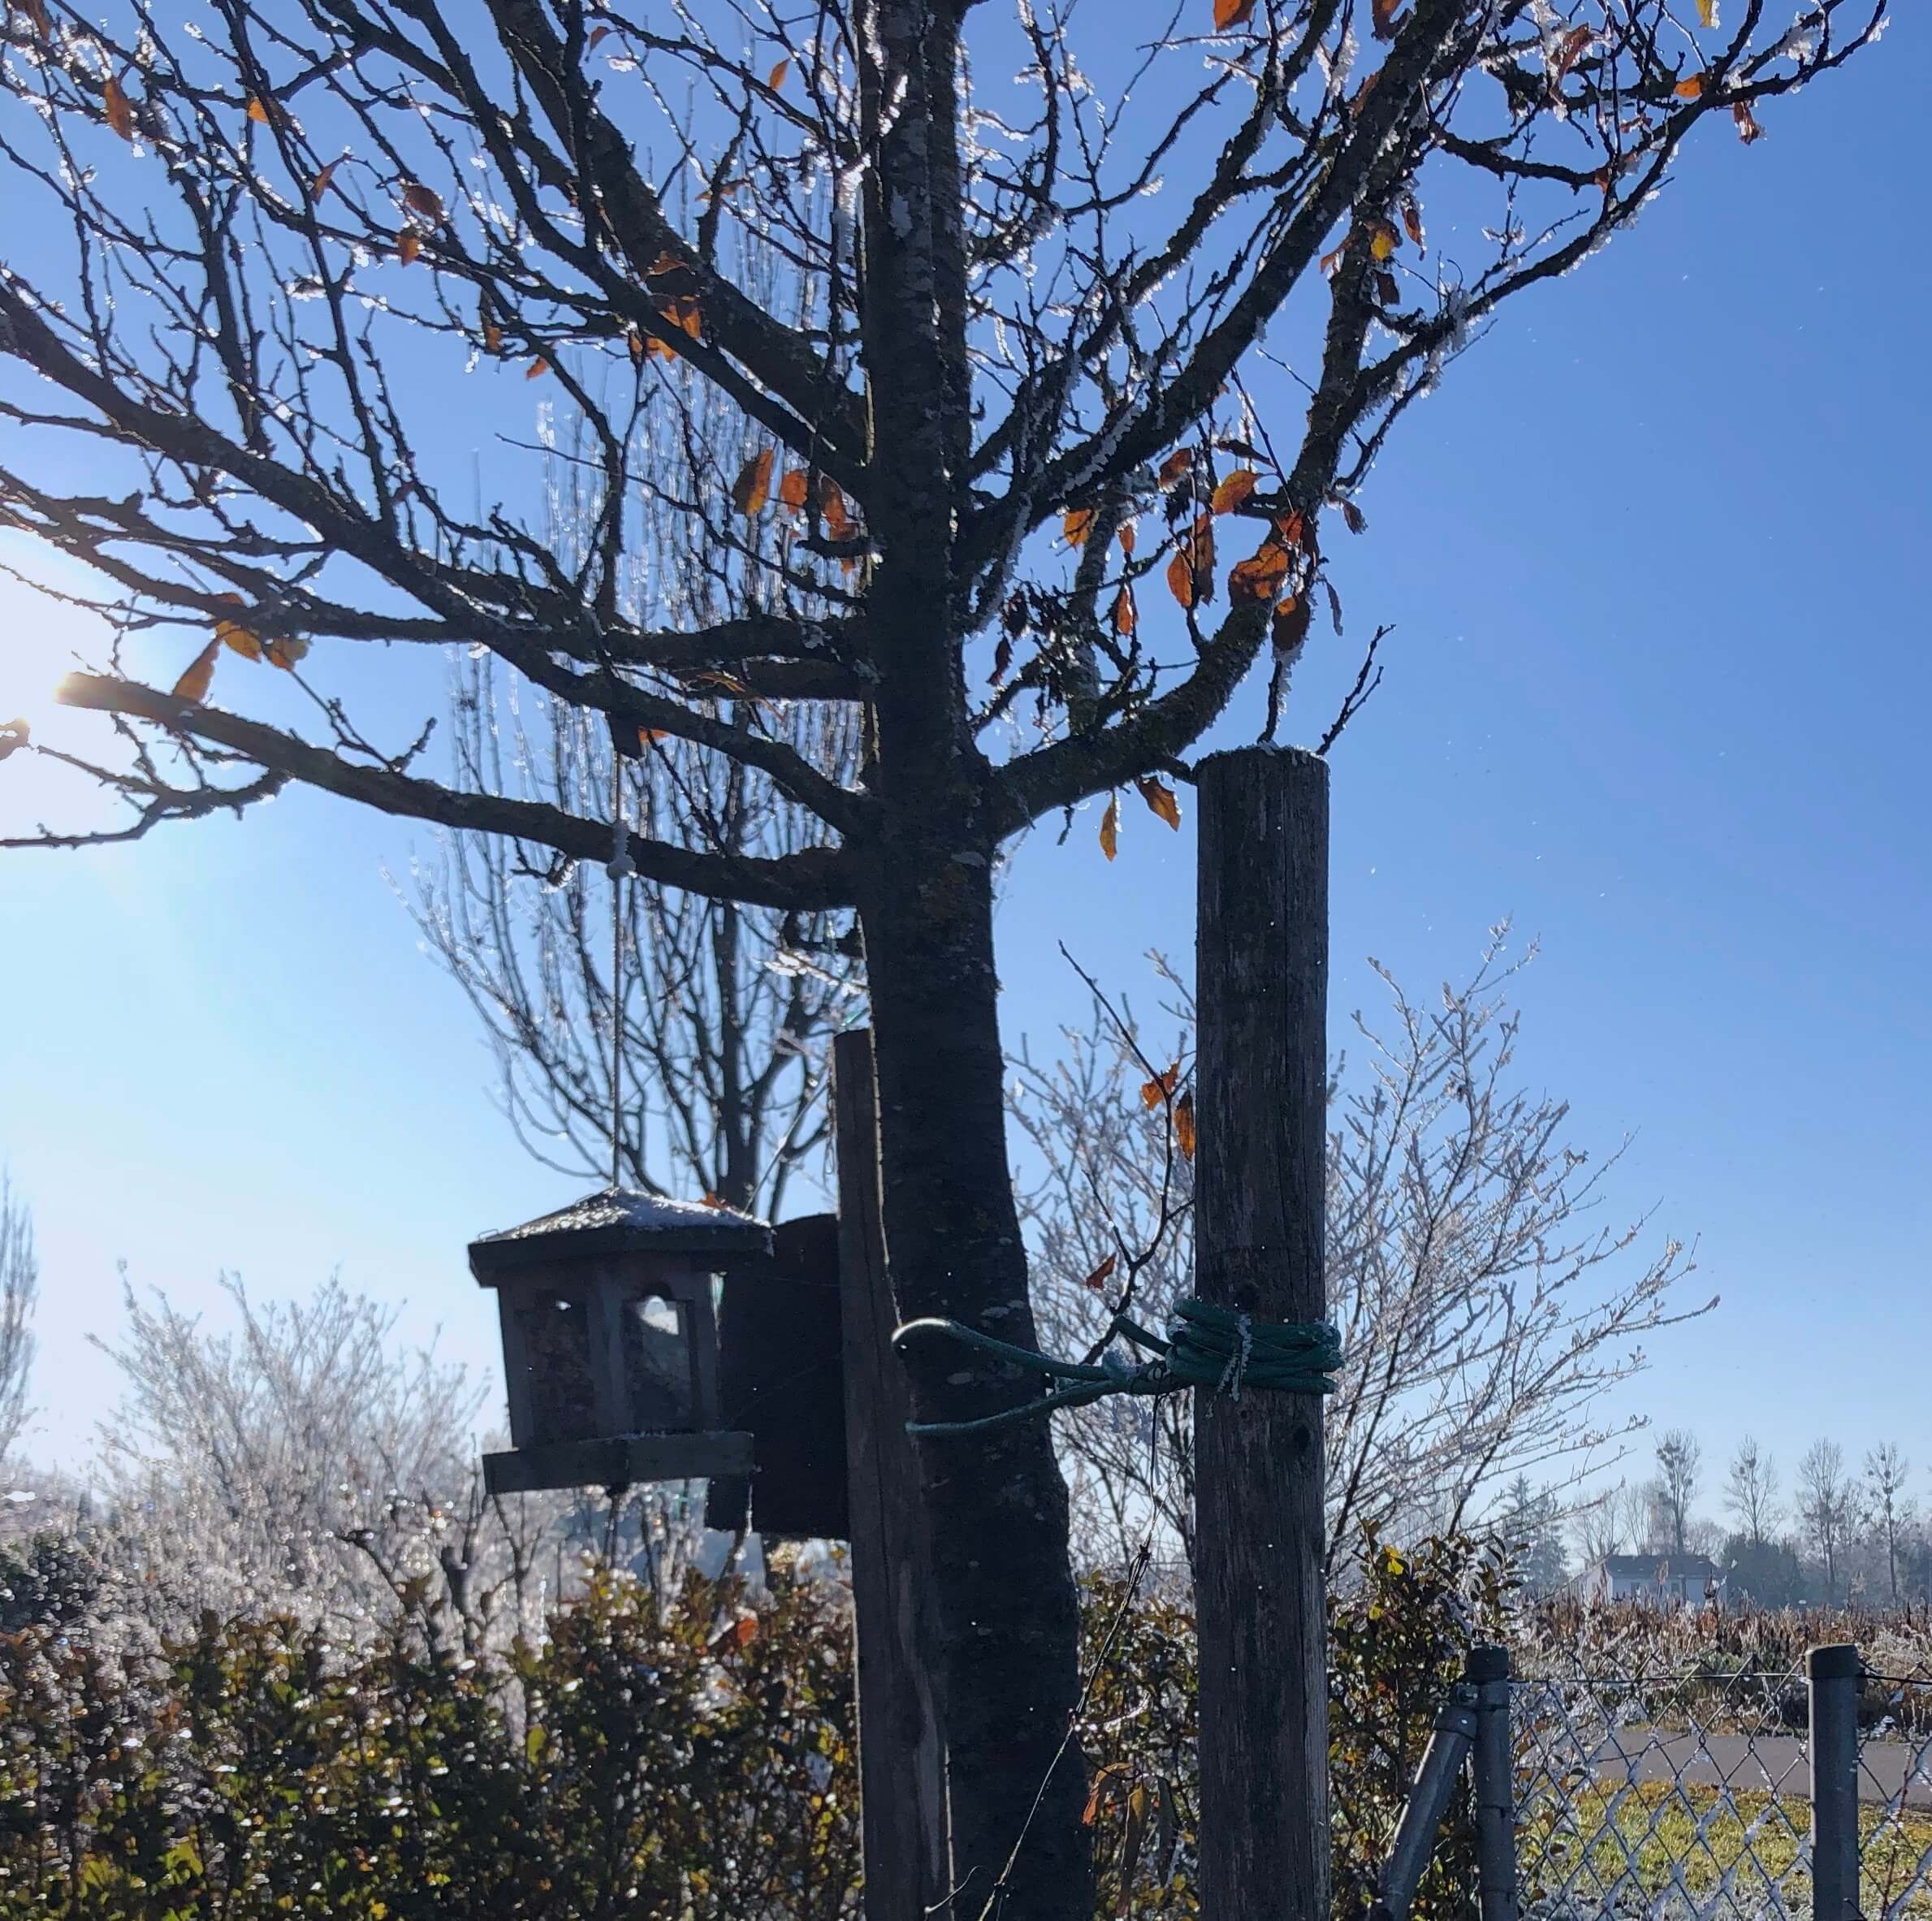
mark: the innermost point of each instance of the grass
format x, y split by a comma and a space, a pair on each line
1664, 1837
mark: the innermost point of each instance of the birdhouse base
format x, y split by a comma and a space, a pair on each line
618, 1461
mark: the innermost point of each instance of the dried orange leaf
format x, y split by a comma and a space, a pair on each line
1127, 538
231, 633
537, 368
1180, 580
257, 111
1748, 129
753, 487
1161, 800
423, 201
1293, 529
794, 490
779, 75
1184, 1136
1232, 13
193, 685
1098, 1278
1259, 576
1411, 218
1235, 489
1110, 827
408, 244
1382, 18
1075, 524
320, 185
120, 115
1161, 1088
1690, 88
1330, 261
285, 651
493, 337
1707, 13
1174, 469
1126, 618
831, 505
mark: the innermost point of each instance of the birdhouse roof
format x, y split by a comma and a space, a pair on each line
621, 1220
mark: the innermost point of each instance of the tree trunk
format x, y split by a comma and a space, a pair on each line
1007, 1605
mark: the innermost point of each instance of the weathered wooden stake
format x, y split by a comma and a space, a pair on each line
901, 1747
1260, 1091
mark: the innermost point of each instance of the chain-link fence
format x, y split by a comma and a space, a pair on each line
1690, 1797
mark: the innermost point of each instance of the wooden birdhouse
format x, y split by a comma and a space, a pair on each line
610, 1337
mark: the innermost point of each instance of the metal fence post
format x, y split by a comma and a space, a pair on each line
1435, 1782
1833, 1674
1492, 1762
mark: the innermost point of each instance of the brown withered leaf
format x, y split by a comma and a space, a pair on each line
284, 651
1075, 524
1353, 518
1382, 15
1232, 13
120, 114
1234, 490
1110, 827
753, 487
832, 508
257, 111
1160, 1088
1161, 800
408, 244
1411, 218
794, 490
493, 337
1127, 538
1261, 575
320, 185
597, 37
1174, 469
1748, 127
193, 685
1570, 49
1184, 1136
1288, 626
1125, 617
1098, 1280
1691, 87
425, 202
537, 368
779, 75
232, 634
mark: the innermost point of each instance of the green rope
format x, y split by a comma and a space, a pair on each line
1206, 1347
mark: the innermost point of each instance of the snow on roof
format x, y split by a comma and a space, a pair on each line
618, 1218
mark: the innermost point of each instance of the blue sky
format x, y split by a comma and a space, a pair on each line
1657, 690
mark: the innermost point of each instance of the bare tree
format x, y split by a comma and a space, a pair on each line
1614, 1521
302, 1460
270, 246
1484, 1316
722, 1010
1890, 1507
1826, 1507
1679, 1462
19, 1289
1751, 1492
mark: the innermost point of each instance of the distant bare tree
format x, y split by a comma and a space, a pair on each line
1827, 1506
1483, 1318
1751, 1492
723, 1009
19, 1289
1612, 1521
302, 1460
1890, 1507
1679, 1463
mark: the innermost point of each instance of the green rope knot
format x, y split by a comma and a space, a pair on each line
1206, 1347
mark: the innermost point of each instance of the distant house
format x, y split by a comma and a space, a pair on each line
1652, 1580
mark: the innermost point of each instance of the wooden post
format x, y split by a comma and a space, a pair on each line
1834, 1673
1493, 1764
1260, 1092
901, 1747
